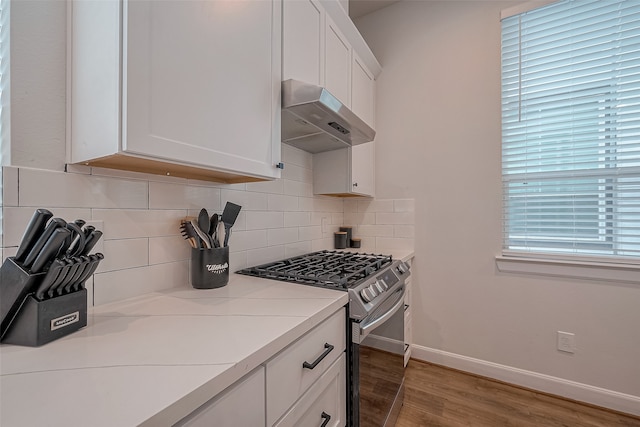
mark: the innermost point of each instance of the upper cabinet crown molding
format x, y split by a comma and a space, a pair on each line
189, 89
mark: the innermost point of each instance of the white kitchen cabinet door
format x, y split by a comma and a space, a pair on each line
337, 63
303, 41
240, 405
197, 89
363, 89
345, 172
325, 402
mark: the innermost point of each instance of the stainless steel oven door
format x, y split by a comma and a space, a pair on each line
378, 353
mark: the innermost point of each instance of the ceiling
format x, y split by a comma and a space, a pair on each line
358, 8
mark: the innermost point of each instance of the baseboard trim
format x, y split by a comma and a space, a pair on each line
545, 383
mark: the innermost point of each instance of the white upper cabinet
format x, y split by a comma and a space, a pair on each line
363, 91
185, 88
303, 41
345, 172
337, 63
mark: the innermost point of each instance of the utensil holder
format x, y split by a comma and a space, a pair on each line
27, 321
209, 267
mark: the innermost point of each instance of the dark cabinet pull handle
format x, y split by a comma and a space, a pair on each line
326, 417
308, 365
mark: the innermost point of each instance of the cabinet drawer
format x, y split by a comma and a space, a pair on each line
324, 400
287, 379
240, 405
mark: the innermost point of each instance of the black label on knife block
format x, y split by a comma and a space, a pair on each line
40, 322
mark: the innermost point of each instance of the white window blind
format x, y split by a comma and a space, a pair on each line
571, 129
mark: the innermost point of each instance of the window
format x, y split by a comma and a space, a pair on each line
571, 130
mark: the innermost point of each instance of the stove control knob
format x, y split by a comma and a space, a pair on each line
366, 295
401, 268
379, 286
373, 291
382, 284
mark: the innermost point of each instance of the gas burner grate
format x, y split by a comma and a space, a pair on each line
329, 269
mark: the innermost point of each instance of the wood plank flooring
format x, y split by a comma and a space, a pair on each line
436, 396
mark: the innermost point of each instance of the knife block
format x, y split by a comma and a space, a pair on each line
15, 285
27, 321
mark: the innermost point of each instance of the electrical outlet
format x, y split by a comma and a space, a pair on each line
325, 225
566, 342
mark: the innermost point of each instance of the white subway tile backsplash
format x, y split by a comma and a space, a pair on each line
372, 205
59, 189
140, 216
250, 201
297, 219
297, 173
274, 187
374, 231
281, 236
257, 220
9, 186
264, 255
168, 249
131, 223
244, 240
279, 202
164, 195
362, 218
120, 284
122, 254
405, 231
310, 233
295, 156
297, 188
298, 248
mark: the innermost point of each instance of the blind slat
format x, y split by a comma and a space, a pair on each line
571, 129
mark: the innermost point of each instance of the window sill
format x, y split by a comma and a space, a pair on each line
624, 273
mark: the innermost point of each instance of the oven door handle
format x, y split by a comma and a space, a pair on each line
366, 329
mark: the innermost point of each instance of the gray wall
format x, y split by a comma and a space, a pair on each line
438, 116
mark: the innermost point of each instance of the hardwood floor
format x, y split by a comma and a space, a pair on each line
440, 397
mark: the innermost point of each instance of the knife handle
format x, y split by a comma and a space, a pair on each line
61, 276
44, 237
75, 264
82, 266
88, 271
91, 241
34, 229
49, 278
50, 249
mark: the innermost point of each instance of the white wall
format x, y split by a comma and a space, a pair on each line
438, 117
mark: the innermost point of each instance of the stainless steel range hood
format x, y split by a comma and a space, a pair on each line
315, 121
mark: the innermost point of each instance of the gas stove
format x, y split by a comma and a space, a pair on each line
368, 278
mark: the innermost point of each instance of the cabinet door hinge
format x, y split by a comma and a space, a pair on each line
280, 165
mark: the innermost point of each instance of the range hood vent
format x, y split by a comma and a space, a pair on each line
314, 120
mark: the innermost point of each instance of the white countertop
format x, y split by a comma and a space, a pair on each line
153, 359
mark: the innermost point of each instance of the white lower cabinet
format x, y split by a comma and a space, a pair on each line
242, 404
298, 367
324, 403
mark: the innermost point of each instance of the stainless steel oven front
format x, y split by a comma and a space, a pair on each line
377, 358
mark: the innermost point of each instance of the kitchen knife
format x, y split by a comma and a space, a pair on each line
84, 263
88, 271
49, 278
70, 273
91, 241
229, 215
44, 238
50, 249
34, 229
61, 276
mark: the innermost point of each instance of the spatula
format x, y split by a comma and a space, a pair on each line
229, 215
